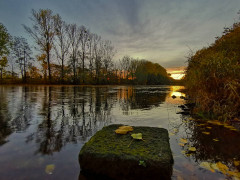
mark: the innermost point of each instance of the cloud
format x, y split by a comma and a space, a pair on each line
158, 30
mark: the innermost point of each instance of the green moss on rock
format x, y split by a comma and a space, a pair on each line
108, 154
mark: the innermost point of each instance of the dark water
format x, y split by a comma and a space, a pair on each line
48, 125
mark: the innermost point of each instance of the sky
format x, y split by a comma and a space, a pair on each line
162, 31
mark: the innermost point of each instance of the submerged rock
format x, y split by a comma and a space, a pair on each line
109, 155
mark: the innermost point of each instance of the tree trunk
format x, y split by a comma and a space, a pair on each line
24, 66
62, 74
49, 67
83, 67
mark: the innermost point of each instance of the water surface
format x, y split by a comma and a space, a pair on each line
48, 125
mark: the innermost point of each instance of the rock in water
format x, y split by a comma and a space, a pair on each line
109, 155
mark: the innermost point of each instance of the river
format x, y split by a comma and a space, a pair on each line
46, 126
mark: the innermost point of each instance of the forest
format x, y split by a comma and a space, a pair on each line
65, 53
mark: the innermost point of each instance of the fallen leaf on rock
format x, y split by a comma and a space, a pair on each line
124, 129
50, 168
137, 136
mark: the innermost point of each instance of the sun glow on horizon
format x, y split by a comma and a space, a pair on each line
177, 72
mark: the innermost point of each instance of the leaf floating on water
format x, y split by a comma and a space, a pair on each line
183, 152
207, 133
183, 140
124, 129
50, 168
192, 149
216, 140
181, 144
175, 130
209, 127
137, 136
207, 165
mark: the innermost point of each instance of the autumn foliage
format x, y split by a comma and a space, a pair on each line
213, 77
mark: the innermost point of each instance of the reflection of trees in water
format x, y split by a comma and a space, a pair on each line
72, 115
22, 117
61, 115
226, 150
15, 110
5, 130
140, 98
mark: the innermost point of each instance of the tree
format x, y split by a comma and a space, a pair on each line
62, 42
125, 63
74, 35
43, 32
108, 55
84, 39
97, 50
3, 64
22, 52
5, 41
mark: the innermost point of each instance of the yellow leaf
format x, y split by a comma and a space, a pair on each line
137, 136
129, 128
50, 168
209, 127
222, 167
236, 163
201, 124
216, 139
207, 165
207, 133
192, 149
123, 129
171, 134
183, 140
181, 144
183, 152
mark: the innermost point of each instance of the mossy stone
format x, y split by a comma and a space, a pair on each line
107, 154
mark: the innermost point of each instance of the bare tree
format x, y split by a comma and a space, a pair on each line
22, 52
97, 50
125, 63
62, 42
108, 55
91, 54
43, 32
74, 36
84, 40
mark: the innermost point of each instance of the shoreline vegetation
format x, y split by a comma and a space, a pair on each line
70, 54
213, 77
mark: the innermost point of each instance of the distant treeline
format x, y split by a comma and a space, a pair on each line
213, 76
69, 54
